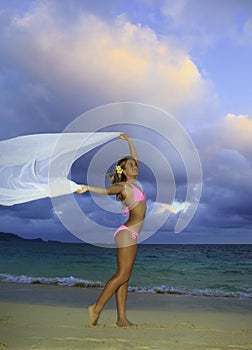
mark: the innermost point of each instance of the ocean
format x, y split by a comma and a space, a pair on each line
199, 270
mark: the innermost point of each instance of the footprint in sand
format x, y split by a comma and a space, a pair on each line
3, 347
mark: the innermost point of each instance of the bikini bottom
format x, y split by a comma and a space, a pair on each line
133, 234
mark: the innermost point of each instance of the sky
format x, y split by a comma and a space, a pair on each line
190, 59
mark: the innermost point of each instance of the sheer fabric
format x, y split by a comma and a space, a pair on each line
38, 166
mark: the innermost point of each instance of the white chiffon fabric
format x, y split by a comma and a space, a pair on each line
38, 166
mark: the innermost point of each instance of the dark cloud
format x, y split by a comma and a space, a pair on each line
40, 210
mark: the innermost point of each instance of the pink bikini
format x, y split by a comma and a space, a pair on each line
138, 196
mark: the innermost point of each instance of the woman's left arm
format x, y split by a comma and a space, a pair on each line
132, 148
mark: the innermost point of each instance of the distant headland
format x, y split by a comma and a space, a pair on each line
12, 237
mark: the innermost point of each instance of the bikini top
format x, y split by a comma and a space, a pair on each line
138, 197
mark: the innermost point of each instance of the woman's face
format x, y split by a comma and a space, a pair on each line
131, 168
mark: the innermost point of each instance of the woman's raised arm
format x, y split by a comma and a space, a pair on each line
132, 148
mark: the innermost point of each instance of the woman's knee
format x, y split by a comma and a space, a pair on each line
123, 276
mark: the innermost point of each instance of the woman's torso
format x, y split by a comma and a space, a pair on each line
135, 205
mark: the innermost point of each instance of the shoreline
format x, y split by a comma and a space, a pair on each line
54, 317
55, 295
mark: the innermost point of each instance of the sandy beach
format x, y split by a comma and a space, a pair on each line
53, 317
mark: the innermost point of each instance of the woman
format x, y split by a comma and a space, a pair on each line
133, 201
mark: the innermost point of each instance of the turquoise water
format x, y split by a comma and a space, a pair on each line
212, 270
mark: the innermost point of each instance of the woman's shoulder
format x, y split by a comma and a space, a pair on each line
120, 186
123, 193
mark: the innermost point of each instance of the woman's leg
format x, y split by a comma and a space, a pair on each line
121, 300
125, 261
125, 241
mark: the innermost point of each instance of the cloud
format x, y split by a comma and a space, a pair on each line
231, 132
205, 23
225, 149
175, 207
87, 62
236, 134
247, 30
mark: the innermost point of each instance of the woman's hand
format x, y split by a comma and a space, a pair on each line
84, 188
124, 137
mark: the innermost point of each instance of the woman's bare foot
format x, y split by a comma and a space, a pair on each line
93, 317
124, 323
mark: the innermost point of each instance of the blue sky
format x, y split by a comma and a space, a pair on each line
190, 58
